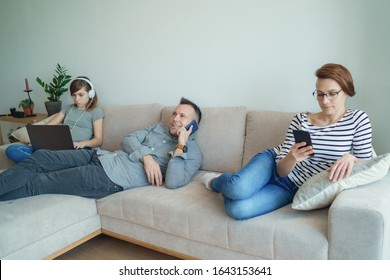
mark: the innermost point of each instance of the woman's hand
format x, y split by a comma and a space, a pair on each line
299, 152
342, 167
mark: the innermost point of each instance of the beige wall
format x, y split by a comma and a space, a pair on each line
256, 53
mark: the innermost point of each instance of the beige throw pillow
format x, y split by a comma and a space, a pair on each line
319, 191
22, 135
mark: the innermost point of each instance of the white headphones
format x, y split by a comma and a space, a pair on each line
91, 92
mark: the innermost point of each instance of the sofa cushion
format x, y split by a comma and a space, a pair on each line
319, 191
264, 130
5, 162
220, 137
27, 221
196, 214
121, 120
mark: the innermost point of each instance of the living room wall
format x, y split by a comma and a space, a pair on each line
255, 53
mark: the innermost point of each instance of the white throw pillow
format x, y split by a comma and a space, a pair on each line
22, 135
319, 191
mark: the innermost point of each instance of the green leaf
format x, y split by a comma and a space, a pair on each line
57, 86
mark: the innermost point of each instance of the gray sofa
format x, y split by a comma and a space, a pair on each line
190, 222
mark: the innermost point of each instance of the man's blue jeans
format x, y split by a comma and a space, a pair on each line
74, 172
256, 189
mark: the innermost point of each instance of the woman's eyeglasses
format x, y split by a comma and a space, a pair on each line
332, 95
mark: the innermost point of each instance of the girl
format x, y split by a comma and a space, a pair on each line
83, 117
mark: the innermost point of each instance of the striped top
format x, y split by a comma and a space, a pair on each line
351, 134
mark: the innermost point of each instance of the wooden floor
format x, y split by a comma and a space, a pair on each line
104, 247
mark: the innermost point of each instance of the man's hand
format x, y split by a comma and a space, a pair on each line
183, 135
182, 139
152, 170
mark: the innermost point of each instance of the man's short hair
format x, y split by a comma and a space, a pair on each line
198, 112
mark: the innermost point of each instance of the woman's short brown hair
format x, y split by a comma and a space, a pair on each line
338, 73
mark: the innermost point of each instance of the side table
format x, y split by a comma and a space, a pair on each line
25, 120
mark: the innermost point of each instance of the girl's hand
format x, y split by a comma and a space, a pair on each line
80, 145
342, 167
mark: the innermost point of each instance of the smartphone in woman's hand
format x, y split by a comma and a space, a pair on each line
303, 136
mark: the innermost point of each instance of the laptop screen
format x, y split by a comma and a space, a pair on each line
52, 137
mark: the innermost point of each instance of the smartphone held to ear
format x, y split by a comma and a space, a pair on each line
303, 136
194, 125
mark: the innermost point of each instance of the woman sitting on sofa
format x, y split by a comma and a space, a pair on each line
84, 118
340, 137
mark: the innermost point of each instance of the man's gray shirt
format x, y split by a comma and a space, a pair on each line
125, 169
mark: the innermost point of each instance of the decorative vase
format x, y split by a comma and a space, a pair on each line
53, 107
28, 111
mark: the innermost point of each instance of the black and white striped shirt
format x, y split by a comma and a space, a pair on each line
351, 134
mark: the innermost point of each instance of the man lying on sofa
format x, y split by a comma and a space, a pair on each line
154, 155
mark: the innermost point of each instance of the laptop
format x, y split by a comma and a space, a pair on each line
52, 137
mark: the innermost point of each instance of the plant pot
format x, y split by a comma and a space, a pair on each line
53, 107
28, 110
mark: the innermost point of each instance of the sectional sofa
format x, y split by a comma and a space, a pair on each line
190, 222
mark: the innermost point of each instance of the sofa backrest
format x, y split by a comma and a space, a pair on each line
221, 136
121, 120
264, 130
227, 136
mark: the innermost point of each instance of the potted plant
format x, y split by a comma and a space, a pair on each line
55, 89
28, 106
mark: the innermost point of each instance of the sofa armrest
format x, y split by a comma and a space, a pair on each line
359, 222
5, 162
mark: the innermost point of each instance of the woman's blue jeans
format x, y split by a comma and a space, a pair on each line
256, 189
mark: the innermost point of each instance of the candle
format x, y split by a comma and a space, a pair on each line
26, 81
